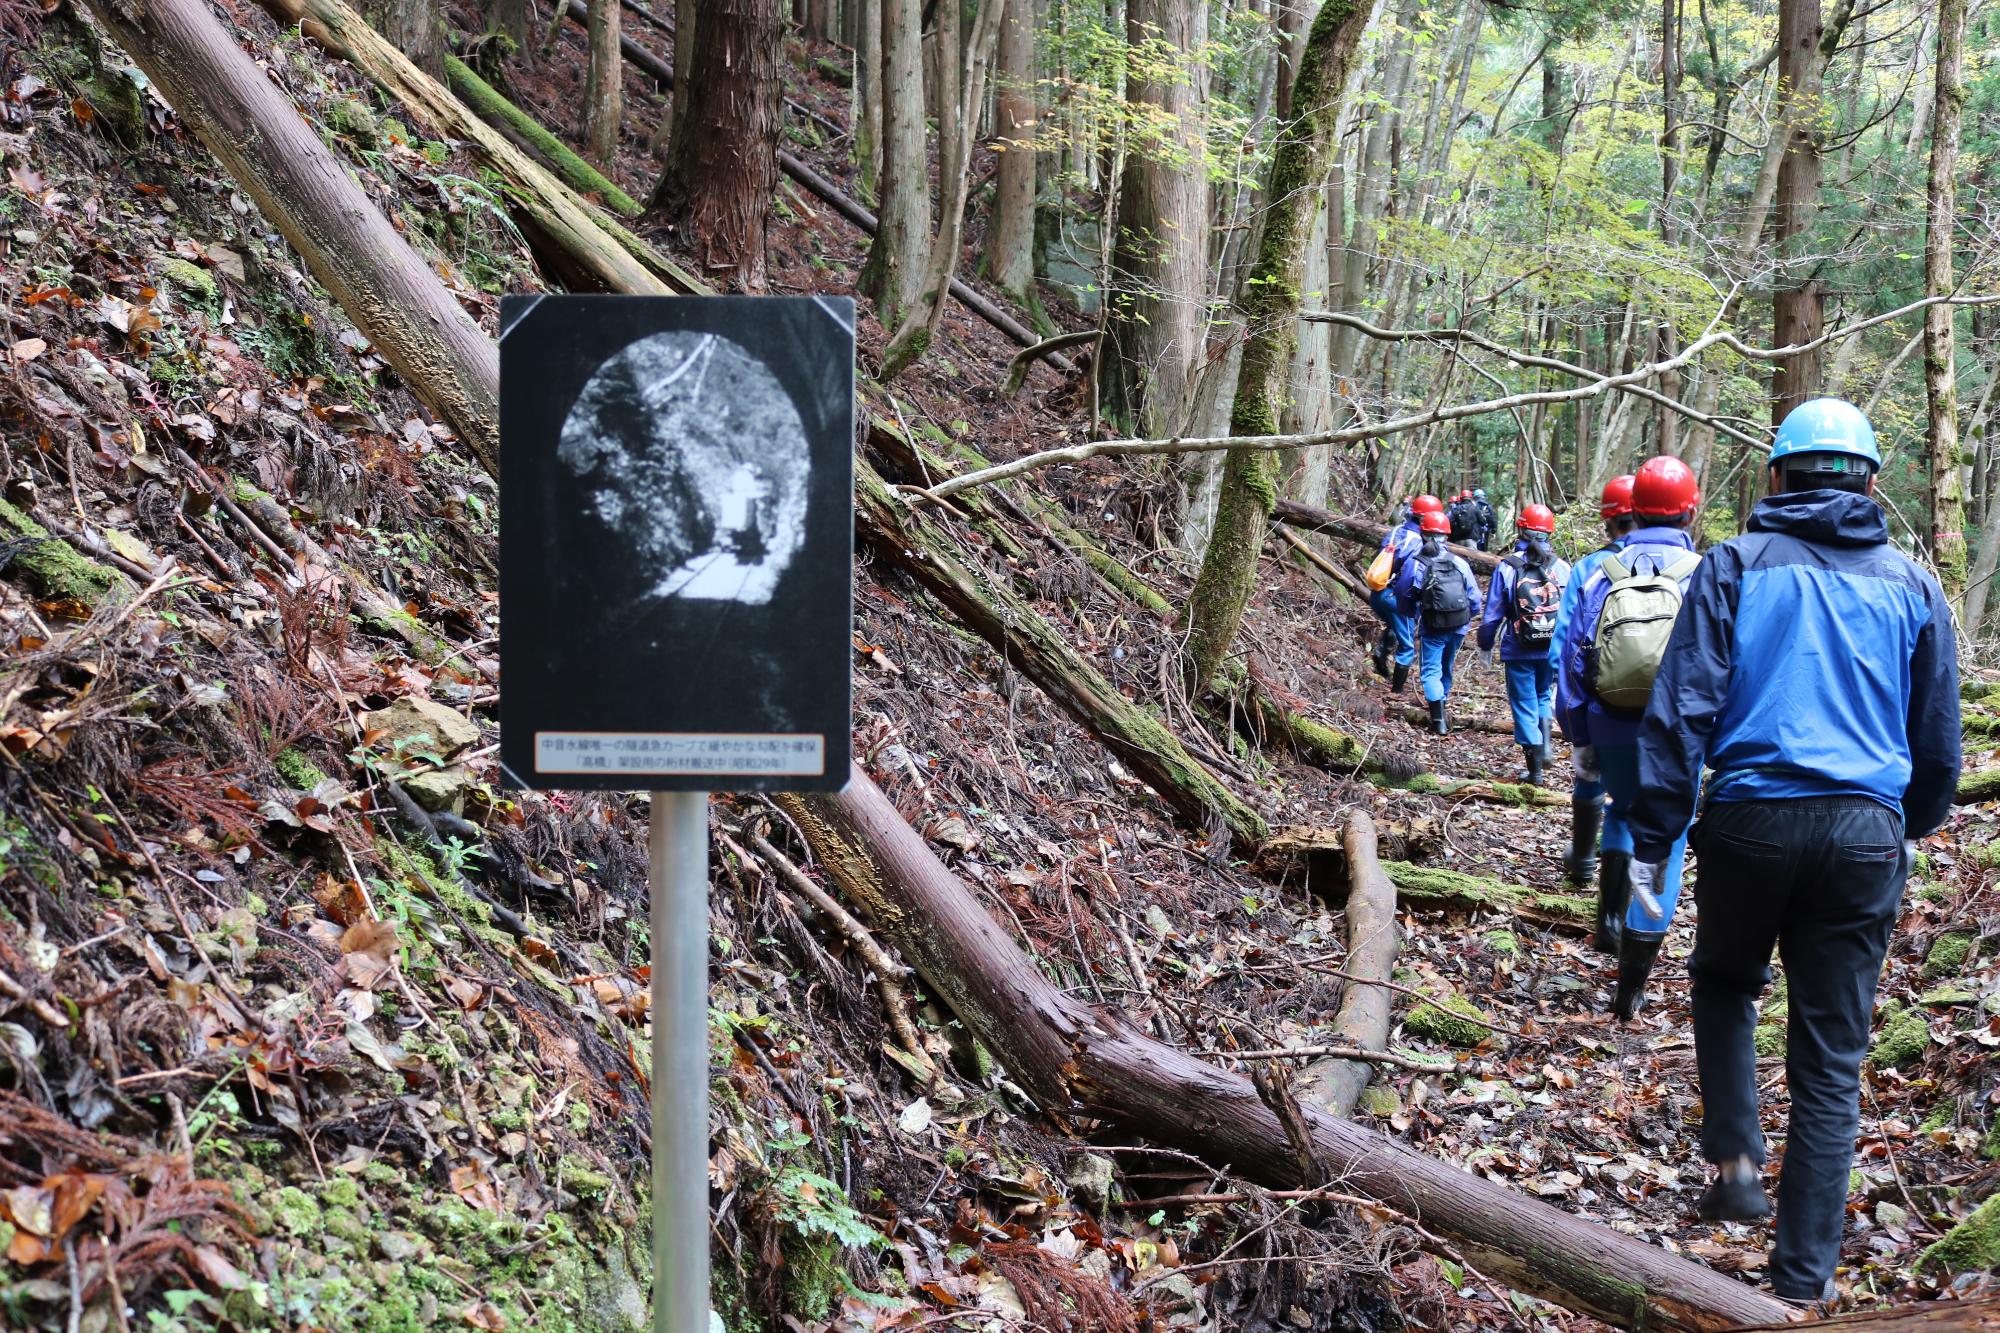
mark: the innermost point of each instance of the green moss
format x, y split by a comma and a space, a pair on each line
1947, 954
1446, 1020
1935, 892
1973, 1246
1948, 994
583, 1180
295, 1211
192, 278
1941, 1117
298, 771
1903, 1037
1982, 785
1436, 886
1426, 783
1770, 1039
1504, 942
1989, 1147
53, 567
573, 171
1778, 1002
1380, 1101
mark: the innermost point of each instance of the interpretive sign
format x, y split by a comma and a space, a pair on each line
676, 542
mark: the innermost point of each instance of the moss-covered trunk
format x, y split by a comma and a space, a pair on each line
1270, 310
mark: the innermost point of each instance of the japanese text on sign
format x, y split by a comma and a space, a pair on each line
644, 754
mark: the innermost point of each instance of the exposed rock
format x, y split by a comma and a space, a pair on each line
421, 724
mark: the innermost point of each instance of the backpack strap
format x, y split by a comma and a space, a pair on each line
1688, 562
1614, 569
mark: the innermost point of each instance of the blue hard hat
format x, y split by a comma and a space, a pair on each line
1479, 494
1826, 426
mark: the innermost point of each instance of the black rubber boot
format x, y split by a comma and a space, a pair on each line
1585, 819
1438, 722
1399, 678
1533, 753
1379, 659
1637, 949
1614, 895
1736, 1196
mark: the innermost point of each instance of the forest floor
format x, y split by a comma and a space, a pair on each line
276, 1053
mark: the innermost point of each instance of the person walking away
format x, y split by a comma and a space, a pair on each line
1814, 671
1398, 639
1521, 608
1486, 522
1464, 515
1587, 813
1613, 649
1436, 589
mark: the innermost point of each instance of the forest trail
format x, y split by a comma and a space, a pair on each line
307, 1022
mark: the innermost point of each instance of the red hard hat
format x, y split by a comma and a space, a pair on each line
1426, 504
1465, 495
1617, 498
1432, 520
1664, 487
1537, 518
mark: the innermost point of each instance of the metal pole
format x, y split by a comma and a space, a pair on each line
679, 846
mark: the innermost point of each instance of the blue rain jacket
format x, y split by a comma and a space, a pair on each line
1572, 594
1500, 599
1810, 658
1584, 720
1410, 582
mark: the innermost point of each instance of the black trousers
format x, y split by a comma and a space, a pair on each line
1822, 880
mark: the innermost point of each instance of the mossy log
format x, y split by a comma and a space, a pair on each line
1417, 717
1317, 855
1078, 1060
1924, 1317
1334, 574
1499, 793
1361, 531
1032, 646
1971, 1246
1365, 1012
586, 235
1979, 785
1280, 717
53, 567
496, 110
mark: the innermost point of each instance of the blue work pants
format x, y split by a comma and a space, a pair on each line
1531, 694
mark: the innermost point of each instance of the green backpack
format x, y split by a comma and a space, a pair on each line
1633, 629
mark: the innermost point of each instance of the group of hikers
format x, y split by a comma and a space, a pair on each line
1796, 688
1472, 519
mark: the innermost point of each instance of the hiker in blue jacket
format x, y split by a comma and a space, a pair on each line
1814, 671
1399, 631
1587, 811
1521, 611
1436, 590
1485, 520
1609, 657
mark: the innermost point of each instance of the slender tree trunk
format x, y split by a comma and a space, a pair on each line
1947, 496
511, 19
1153, 318
1270, 310
1798, 306
272, 153
687, 27
814, 28
1010, 236
604, 90
416, 28
894, 274
867, 44
716, 190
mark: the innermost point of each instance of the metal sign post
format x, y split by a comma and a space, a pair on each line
678, 842
676, 576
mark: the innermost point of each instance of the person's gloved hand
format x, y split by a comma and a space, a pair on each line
1584, 760
1646, 877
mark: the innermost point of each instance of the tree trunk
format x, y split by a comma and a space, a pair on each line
1270, 309
1029, 644
1798, 306
815, 29
894, 273
511, 19
1153, 316
272, 152
1075, 1059
604, 86
867, 97
414, 27
716, 189
1364, 1015
1010, 236
1947, 495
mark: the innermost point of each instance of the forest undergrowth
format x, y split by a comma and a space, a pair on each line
307, 1022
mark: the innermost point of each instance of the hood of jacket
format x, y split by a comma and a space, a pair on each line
1836, 518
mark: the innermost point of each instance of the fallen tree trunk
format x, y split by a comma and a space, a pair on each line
1419, 718
1362, 531
1929, 1317
1028, 643
1364, 1014
496, 110
1316, 856
1280, 716
1335, 575
971, 300
1981, 785
1082, 1061
611, 255
270, 150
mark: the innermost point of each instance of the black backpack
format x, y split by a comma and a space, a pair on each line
1442, 595
1463, 516
1531, 614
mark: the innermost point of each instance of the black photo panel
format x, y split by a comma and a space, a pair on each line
676, 542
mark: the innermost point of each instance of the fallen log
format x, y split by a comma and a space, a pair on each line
497, 111
1315, 855
272, 152
1980, 785
1281, 717
1029, 644
1339, 577
612, 256
1499, 793
1362, 531
1081, 1061
1929, 1317
1417, 717
1364, 1015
